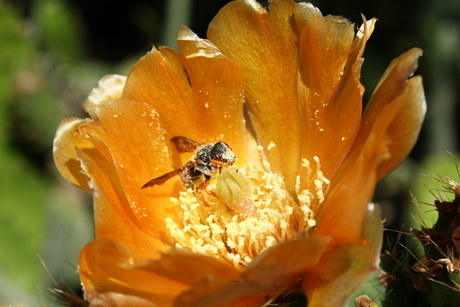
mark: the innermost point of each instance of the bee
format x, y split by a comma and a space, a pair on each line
207, 160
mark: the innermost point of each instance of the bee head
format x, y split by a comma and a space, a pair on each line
222, 153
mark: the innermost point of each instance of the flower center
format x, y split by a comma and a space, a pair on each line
244, 211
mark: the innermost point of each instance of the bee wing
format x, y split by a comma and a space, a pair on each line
163, 178
184, 144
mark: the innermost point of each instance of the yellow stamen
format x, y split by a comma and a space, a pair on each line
244, 211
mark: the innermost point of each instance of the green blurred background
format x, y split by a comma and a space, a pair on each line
52, 52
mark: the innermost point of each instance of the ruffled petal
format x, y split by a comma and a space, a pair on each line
68, 137
405, 128
382, 135
269, 269
304, 12
181, 265
342, 215
267, 275
113, 215
325, 44
105, 267
266, 48
392, 81
396, 90
330, 91
131, 150
212, 277
342, 270
217, 87
108, 88
160, 79
200, 85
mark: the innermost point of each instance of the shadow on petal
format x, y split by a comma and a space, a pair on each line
281, 265
190, 268
342, 270
68, 137
270, 274
104, 267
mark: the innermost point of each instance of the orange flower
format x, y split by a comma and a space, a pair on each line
282, 89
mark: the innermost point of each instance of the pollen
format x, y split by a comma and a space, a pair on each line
244, 211
271, 146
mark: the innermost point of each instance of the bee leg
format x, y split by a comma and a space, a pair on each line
204, 184
201, 199
202, 189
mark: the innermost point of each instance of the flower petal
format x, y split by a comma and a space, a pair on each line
217, 87
66, 140
269, 269
405, 128
181, 265
342, 270
270, 51
68, 136
113, 215
200, 85
130, 141
374, 151
268, 275
343, 213
304, 13
104, 267
108, 88
331, 93
160, 79
395, 88
325, 44
221, 292
214, 284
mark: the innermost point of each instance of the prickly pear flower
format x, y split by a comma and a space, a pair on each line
281, 87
